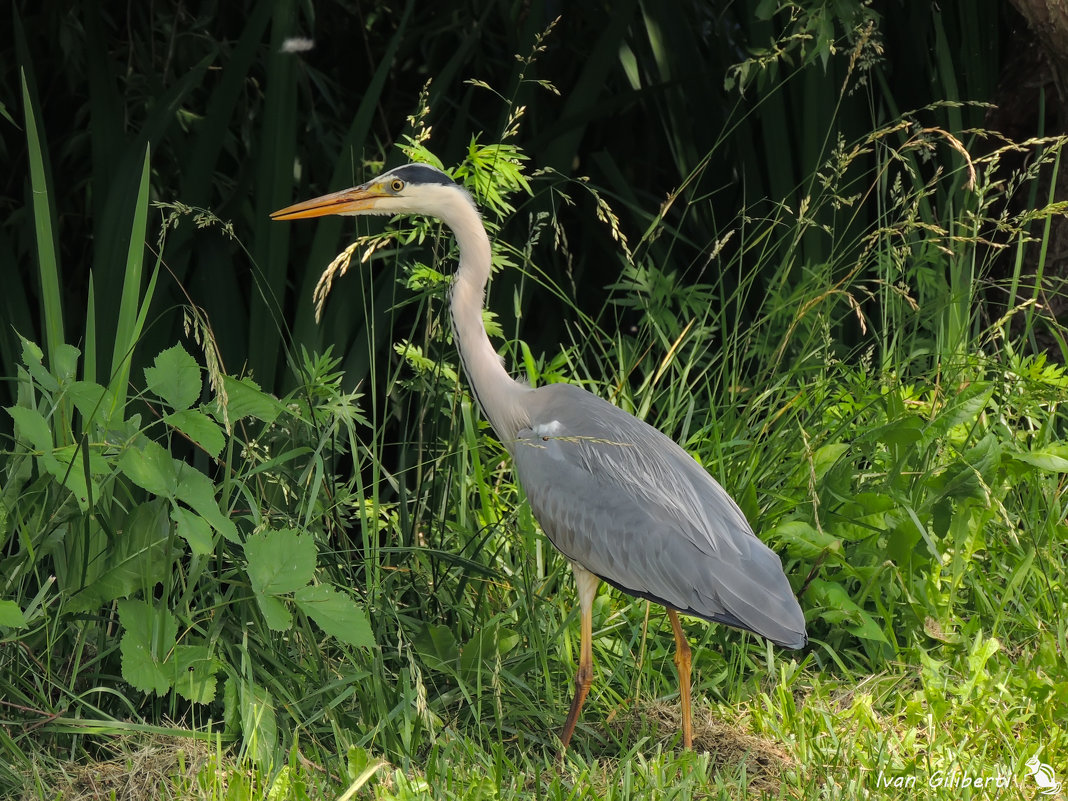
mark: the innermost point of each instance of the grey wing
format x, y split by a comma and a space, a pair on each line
628, 504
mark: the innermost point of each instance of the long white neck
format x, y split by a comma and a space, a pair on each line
499, 395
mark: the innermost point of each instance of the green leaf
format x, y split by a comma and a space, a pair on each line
194, 529
31, 428
11, 616
135, 561
132, 306
33, 358
91, 399
828, 456
259, 727
437, 646
244, 398
197, 491
200, 428
804, 541
837, 606
148, 637
1051, 458
280, 561
151, 468
44, 230
275, 613
175, 377
867, 628
194, 671
963, 408
336, 613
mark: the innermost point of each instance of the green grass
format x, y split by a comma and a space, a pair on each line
212, 592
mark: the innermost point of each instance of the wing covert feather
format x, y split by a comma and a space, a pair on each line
627, 503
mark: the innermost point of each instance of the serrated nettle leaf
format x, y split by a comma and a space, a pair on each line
200, 428
151, 468
175, 377
194, 529
280, 561
336, 613
194, 673
149, 635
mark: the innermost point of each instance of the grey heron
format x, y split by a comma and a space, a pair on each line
622, 501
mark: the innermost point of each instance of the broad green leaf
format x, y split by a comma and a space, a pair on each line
196, 489
259, 727
200, 428
837, 605
275, 613
962, 408
194, 671
1051, 458
336, 613
65, 363
175, 377
11, 616
151, 468
137, 560
194, 529
827, 457
91, 399
31, 428
438, 647
280, 561
244, 398
148, 637
867, 628
72, 475
803, 540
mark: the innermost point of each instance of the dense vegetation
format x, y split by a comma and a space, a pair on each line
245, 552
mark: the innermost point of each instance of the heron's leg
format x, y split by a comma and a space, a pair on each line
587, 584
682, 662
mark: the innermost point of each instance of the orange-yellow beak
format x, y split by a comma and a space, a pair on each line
347, 201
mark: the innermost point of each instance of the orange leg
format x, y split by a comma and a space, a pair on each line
682, 663
587, 589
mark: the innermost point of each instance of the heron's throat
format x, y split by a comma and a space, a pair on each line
499, 395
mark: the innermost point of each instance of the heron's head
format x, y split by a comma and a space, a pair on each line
410, 189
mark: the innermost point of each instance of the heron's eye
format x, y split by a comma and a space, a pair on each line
396, 184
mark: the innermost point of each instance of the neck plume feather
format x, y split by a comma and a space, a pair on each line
499, 395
